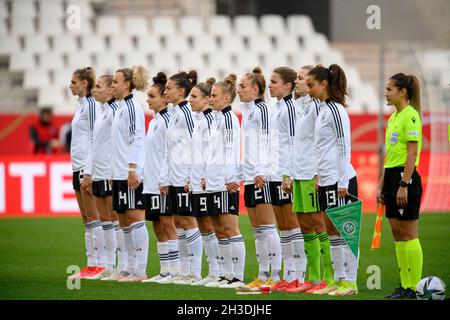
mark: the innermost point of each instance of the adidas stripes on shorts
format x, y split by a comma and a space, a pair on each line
125, 198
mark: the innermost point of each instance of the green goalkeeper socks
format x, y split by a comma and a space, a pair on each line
312, 251
328, 273
402, 261
414, 255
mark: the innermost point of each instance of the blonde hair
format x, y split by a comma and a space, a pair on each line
137, 76
256, 77
228, 85
87, 74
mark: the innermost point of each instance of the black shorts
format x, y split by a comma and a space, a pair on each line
155, 206
279, 197
223, 202
125, 198
254, 196
199, 203
76, 180
101, 188
179, 201
328, 195
392, 177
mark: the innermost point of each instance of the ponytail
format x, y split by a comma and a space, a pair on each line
185, 80
228, 85
337, 81
412, 86
160, 81
137, 76
87, 74
256, 77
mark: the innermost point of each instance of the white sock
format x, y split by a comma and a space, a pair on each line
351, 264
174, 257
195, 250
337, 257
273, 243
163, 254
185, 267
287, 253
298, 246
226, 256
238, 256
262, 255
91, 258
110, 244
211, 247
141, 242
130, 247
121, 250
98, 242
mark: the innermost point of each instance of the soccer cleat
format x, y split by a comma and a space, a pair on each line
397, 294
216, 284
251, 286
84, 273
166, 280
279, 285
233, 283
323, 288
134, 277
190, 279
122, 274
409, 294
205, 280
155, 278
302, 287
290, 285
96, 273
346, 288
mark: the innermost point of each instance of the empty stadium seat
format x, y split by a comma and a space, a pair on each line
135, 58
246, 25
317, 42
287, 44
247, 60
232, 44
21, 61
84, 7
34, 79
51, 9
164, 26
272, 25
93, 43
220, 59
51, 96
191, 26
149, 43
108, 25
176, 43
64, 43
303, 58
300, 25
3, 27
121, 43
23, 8
50, 26
205, 44
36, 44
191, 60
219, 25
51, 60
22, 25
274, 59
9, 44
107, 61
164, 60
260, 43
77, 60
83, 28
135, 25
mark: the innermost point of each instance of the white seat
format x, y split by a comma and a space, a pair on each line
149, 43
61, 77
365, 98
219, 25
135, 25
205, 44
22, 25
83, 6
331, 56
22, 61
191, 26
275, 59
352, 75
121, 43
51, 61
9, 44
51, 9
191, 60
84, 27
260, 43
135, 58
164, 25
288, 44
300, 25
232, 44
3, 27
51, 96
3, 10
23, 8
272, 24
108, 25
76, 60
247, 60
50, 26
107, 61
164, 61
246, 25
36, 44
317, 43
93, 43
219, 59
64, 43
176, 43
303, 58
36, 79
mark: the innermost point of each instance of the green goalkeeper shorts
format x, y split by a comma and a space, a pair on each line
305, 196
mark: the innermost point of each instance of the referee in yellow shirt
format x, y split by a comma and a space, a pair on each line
400, 186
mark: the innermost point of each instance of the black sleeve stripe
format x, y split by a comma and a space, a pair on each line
337, 119
316, 103
132, 116
113, 107
291, 113
264, 116
209, 120
188, 117
228, 127
166, 118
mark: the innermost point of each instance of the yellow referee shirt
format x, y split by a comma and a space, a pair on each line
402, 127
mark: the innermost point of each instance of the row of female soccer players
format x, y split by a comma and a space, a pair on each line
185, 177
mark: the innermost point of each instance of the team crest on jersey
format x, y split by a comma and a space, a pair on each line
279, 115
251, 115
306, 111
156, 127
324, 116
176, 119
121, 115
104, 117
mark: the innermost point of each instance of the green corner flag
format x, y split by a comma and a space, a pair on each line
347, 220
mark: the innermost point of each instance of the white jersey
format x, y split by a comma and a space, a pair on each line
302, 159
203, 121
255, 140
127, 138
99, 162
332, 145
179, 140
156, 169
282, 133
83, 121
223, 159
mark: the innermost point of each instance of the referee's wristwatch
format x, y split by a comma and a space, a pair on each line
403, 184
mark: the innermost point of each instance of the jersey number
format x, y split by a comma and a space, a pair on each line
217, 201
155, 203
203, 204
281, 194
180, 199
331, 197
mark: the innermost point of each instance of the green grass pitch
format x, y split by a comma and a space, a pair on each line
35, 254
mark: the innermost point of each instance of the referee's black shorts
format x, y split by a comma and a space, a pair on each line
392, 177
